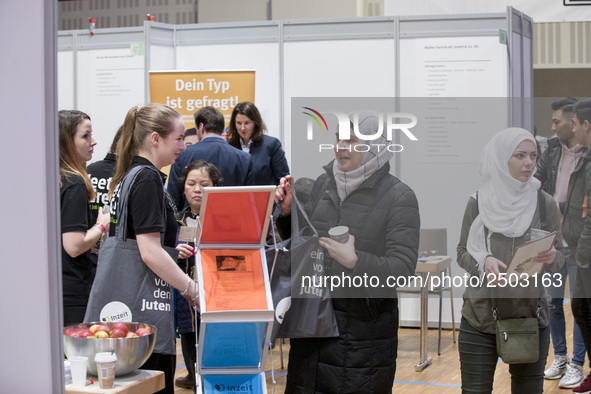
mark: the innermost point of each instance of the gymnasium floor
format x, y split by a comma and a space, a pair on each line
441, 377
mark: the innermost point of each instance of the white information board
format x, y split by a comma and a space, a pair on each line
453, 67
110, 82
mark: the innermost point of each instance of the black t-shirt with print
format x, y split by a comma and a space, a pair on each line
100, 174
77, 272
145, 206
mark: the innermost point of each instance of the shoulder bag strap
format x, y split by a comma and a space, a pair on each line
299, 210
126, 185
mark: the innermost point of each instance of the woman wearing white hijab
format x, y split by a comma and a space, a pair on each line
381, 212
498, 219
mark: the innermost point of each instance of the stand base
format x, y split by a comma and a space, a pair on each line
423, 364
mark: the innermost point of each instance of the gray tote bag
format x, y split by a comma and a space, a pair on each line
124, 288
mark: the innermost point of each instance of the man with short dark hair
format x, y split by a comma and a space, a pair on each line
190, 137
554, 169
234, 164
576, 228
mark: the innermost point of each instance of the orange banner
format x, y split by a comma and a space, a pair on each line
189, 91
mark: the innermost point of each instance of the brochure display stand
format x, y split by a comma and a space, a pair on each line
234, 290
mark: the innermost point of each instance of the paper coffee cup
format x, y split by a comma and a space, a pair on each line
339, 233
105, 368
78, 366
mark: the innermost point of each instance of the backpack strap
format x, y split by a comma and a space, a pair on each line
542, 210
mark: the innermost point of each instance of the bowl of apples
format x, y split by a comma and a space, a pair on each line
133, 343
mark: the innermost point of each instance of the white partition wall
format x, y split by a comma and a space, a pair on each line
483, 62
239, 46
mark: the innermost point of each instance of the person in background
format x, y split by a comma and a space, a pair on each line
382, 213
79, 231
576, 228
152, 136
234, 165
247, 132
498, 219
190, 137
100, 173
193, 179
553, 170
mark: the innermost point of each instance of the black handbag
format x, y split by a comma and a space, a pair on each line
125, 288
297, 317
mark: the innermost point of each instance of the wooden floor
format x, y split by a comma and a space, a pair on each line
441, 377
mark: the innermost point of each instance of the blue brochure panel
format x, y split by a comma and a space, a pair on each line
233, 384
233, 345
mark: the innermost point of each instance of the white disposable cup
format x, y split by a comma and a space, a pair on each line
339, 234
78, 365
105, 368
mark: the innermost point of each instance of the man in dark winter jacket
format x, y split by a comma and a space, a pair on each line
576, 229
554, 169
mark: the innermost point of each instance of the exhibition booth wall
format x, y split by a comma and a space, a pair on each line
483, 62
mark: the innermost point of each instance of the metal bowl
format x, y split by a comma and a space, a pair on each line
131, 352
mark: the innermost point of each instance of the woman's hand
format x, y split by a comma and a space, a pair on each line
344, 253
491, 269
546, 257
104, 218
192, 296
283, 193
185, 251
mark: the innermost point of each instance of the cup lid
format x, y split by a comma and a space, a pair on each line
105, 357
338, 230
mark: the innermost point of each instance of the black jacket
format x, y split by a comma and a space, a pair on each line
383, 216
576, 224
547, 165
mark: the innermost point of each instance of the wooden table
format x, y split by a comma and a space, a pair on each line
141, 381
433, 265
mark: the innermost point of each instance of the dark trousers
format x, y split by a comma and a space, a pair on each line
73, 314
479, 359
165, 363
581, 306
188, 342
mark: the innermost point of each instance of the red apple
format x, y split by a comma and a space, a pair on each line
102, 327
93, 328
118, 333
131, 335
120, 325
142, 332
70, 330
101, 334
86, 334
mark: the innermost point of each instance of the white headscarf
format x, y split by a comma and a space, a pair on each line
505, 204
371, 161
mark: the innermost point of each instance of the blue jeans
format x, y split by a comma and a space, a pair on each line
479, 359
581, 305
557, 323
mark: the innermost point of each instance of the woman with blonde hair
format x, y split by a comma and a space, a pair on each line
79, 233
152, 138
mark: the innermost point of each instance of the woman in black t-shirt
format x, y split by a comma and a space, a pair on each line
153, 137
78, 231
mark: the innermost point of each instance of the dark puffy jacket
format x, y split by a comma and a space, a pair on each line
383, 216
576, 224
547, 165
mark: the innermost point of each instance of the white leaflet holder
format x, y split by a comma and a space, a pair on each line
234, 289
